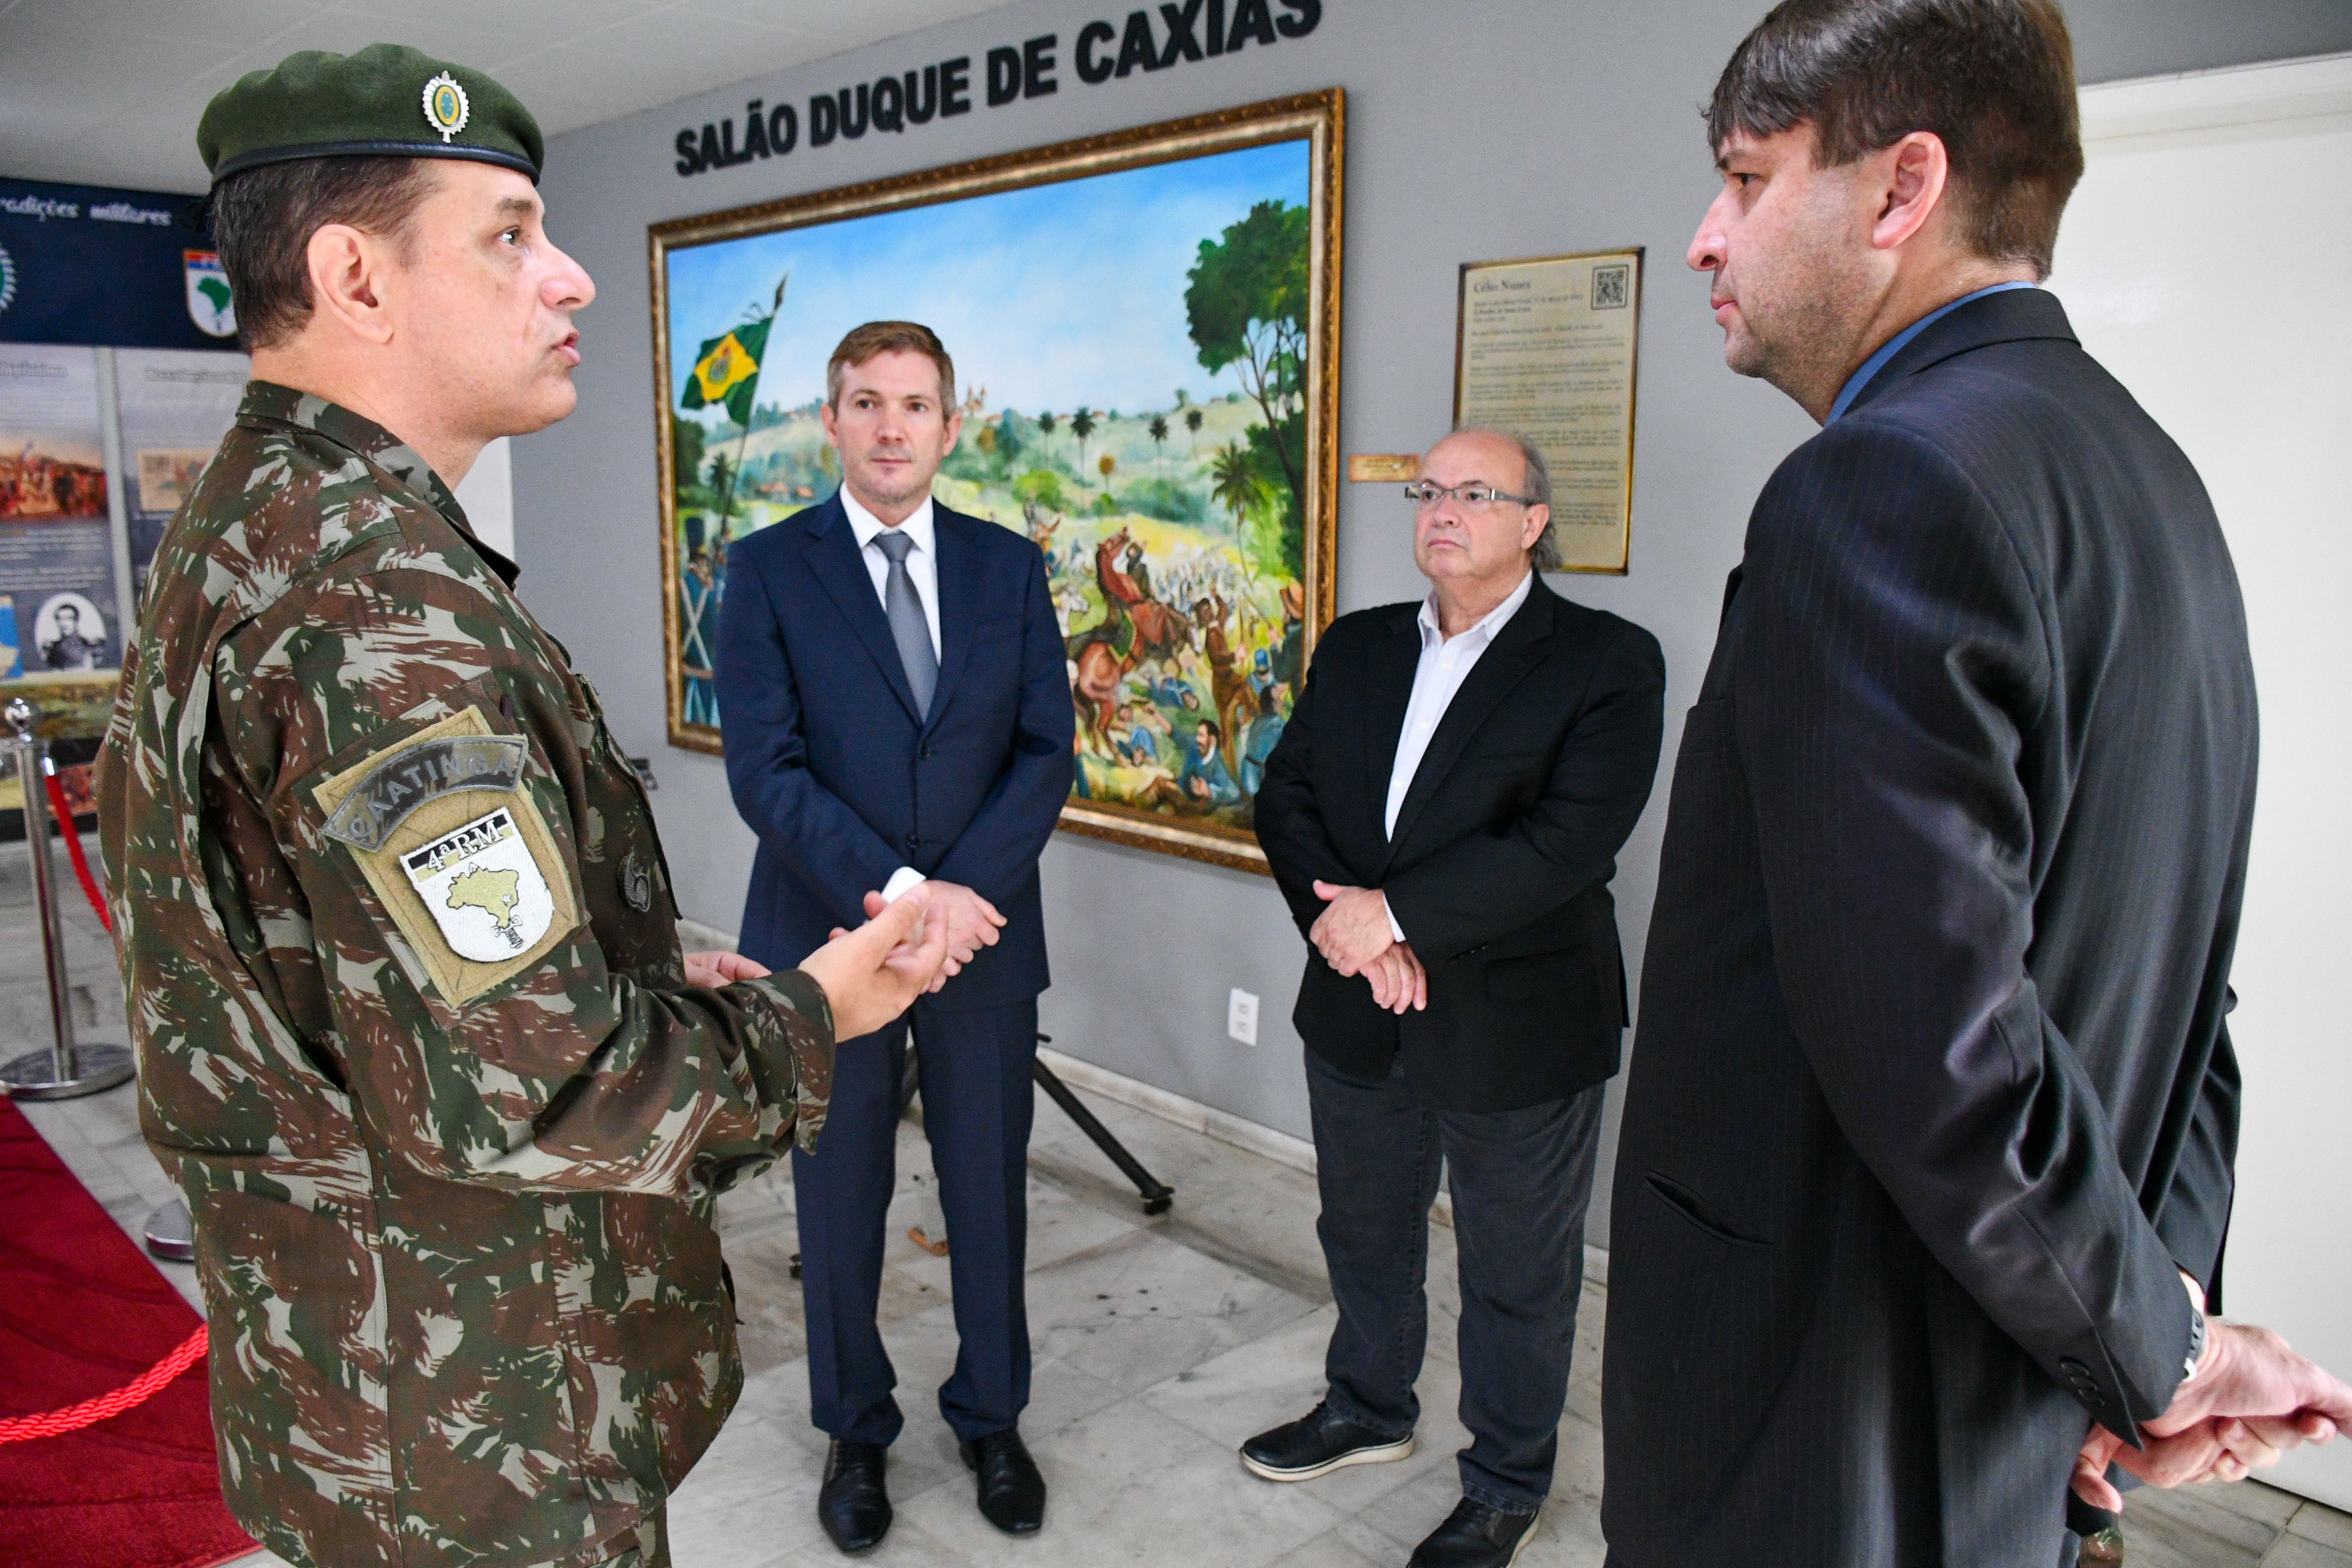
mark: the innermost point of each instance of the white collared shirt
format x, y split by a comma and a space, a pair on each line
922, 561
1445, 663
923, 571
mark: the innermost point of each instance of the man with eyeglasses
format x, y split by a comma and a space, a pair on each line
1444, 813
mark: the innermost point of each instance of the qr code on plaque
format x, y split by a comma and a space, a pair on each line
1610, 285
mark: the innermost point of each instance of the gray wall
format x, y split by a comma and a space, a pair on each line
1474, 132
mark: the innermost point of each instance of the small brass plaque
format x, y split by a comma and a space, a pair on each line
1384, 467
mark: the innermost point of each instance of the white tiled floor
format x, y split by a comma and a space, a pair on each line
1161, 1343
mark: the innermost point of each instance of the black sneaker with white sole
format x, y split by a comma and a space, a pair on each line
1317, 1443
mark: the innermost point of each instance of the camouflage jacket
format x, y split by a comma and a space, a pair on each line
413, 1025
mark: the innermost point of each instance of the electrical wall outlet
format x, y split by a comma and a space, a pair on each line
1241, 1015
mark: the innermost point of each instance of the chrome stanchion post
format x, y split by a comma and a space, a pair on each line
66, 1070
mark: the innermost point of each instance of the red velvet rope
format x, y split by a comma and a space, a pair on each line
64, 816
148, 1384
90, 1412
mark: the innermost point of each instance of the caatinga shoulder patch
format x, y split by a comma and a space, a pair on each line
456, 852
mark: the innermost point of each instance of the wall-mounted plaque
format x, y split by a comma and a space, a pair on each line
1384, 467
1546, 347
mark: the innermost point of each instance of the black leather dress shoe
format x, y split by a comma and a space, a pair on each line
1475, 1536
1317, 1443
1012, 1492
852, 1505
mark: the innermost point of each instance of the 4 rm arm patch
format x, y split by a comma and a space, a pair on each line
484, 888
456, 852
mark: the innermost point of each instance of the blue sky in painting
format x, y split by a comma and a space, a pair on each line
1053, 295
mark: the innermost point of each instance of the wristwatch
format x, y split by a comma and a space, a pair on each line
2196, 1331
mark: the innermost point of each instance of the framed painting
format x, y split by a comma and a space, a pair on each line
1146, 325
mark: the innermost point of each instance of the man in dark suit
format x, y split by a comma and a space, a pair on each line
1444, 813
1925, 1160
891, 678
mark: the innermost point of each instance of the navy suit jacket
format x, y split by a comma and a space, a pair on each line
845, 783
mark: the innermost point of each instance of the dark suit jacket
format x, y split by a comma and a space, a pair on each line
1932, 1089
844, 785
1504, 844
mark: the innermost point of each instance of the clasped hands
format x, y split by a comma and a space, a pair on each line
906, 947
2253, 1398
1354, 937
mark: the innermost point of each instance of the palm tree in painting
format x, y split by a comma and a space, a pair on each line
1082, 425
1233, 482
1045, 424
1192, 423
1158, 430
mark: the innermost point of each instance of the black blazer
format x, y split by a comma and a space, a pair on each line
1504, 844
1932, 1089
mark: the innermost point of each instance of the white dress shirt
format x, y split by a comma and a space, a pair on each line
923, 571
1445, 663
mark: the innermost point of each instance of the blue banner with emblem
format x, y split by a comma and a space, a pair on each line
91, 264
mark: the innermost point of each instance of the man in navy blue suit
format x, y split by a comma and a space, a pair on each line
898, 713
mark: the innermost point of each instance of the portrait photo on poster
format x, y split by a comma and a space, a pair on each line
1145, 331
70, 633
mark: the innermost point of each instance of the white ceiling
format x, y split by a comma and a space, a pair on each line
108, 92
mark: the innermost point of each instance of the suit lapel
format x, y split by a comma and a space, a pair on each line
1525, 639
954, 548
1389, 675
832, 555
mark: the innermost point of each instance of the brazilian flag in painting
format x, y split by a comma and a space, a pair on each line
727, 372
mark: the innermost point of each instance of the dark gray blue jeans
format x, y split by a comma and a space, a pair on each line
1521, 1180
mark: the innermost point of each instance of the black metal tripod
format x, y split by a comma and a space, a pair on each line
1156, 1194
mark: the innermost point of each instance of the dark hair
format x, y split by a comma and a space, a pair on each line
263, 219
1993, 78
890, 337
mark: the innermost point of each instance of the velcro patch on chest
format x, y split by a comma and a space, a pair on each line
456, 851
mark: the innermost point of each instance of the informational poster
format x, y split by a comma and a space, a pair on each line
57, 547
174, 406
1545, 349
99, 435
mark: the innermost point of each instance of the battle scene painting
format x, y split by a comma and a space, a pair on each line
1144, 329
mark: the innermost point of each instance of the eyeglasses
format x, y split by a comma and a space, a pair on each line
1474, 495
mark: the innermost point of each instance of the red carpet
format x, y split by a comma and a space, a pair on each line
82, 1312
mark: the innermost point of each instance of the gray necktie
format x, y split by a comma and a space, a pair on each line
908, 629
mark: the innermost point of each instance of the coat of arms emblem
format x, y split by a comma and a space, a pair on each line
483, 888
210, 305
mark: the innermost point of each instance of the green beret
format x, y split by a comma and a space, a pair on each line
387, 100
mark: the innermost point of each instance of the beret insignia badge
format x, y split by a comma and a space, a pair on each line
445, 107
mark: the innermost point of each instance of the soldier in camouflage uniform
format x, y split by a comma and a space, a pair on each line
415, 1033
